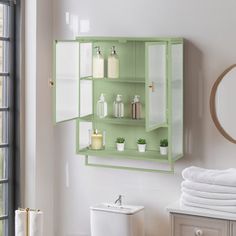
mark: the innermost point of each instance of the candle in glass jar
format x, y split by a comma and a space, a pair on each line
96, 140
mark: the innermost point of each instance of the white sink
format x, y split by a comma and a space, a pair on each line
121, 209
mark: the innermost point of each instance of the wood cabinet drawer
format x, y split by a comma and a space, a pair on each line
232, 228
186, 225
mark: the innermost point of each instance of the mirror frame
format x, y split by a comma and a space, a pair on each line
213, 105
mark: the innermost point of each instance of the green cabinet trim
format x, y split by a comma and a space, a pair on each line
170, 171
150, 67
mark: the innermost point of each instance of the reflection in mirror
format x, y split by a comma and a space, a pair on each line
222, 103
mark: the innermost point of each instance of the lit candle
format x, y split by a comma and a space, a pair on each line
96, 140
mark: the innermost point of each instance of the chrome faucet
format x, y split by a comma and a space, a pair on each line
119, 200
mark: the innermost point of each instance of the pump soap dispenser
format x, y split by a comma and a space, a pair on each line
98, 64
113, 64
102, 107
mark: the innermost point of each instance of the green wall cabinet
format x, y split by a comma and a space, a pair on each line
149, 67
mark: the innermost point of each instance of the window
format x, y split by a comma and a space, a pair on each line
6, 116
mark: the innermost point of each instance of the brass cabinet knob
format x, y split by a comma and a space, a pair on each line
151, 86
51, 82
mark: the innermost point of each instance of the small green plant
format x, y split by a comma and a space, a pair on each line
120, 140
164, 142
141, 141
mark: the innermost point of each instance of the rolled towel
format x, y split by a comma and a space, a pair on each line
20, 223
208, 201
229, 209
35, 223
211, 188
209, 195
217, 177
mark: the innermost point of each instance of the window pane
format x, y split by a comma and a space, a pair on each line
3, 199
3, 91
4, 64
3, 163
3, 127
4, 29
3, 227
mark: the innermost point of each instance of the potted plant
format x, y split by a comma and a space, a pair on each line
163, 146
120, 144
141, 145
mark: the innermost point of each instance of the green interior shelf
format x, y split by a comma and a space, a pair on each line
120, 80
118, 121
149, 67
127, 154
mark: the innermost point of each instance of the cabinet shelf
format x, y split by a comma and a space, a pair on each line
119, 80
149, 155
119, 121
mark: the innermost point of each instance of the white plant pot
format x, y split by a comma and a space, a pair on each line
141, 147
163, 150
120, 147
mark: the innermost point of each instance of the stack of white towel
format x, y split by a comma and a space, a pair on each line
28, 222
210, 189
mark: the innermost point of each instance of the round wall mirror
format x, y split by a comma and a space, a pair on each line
223, 103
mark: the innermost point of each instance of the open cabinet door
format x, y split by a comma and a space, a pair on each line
66, 80
176, 120
156, 84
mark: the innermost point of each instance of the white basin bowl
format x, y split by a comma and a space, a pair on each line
122, 209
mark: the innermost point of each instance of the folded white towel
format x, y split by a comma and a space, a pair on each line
229, 209
211, 188
222, 196
20, 223
208, 201
217, 177
35, 223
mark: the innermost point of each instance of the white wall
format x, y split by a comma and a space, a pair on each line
208, 27
39, 140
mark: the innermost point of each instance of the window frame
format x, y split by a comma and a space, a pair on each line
9, 146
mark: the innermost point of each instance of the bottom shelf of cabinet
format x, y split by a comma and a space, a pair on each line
149, 155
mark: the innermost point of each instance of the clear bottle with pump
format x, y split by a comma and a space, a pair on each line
118, 107
113, 64
98, 64
102, 107
136, 107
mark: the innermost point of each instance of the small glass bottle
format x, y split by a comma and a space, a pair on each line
98, 64
118, 107
136, 107
102, 107
113, 64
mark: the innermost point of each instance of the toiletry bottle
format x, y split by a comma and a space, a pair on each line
98, 64
118, 107
113, 64
102, 107
136, 107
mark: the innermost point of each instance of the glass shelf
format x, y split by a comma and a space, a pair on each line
119, 80
119, 121
149, 155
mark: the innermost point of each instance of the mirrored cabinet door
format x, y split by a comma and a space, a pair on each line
156, 87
